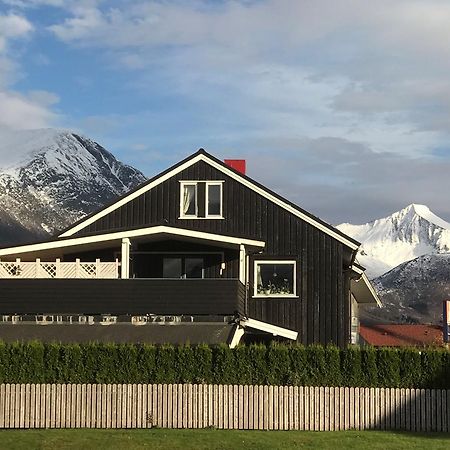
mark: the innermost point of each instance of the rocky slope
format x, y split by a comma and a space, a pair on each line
51, 178
413, 292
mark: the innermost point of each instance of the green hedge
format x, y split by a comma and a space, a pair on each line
276, 364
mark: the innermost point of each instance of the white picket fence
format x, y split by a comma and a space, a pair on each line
222, 406
58, 269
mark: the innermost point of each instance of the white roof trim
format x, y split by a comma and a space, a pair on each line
269, 328
130, 234
130, 197
369, 288
224, 170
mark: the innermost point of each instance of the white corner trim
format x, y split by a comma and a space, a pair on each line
237, 336
131, 234
224, 170
269, 328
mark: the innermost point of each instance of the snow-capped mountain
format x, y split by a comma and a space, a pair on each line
413, 291
51, 178
403, 236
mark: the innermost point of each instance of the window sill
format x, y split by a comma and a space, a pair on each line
275, 296
201, 218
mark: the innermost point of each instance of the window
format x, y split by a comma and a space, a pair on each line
183, 267
213, 199
189, 200
201, 200
275, 279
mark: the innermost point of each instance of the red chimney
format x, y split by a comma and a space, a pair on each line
236, 164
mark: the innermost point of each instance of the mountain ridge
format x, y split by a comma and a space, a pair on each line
52, 178
402, 236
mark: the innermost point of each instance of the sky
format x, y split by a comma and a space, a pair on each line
342, 106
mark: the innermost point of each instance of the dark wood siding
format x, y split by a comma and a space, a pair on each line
321, 312
132, 296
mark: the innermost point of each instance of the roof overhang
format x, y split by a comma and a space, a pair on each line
362, 289
115, 238
265, 327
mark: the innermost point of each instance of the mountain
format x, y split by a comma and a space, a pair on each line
412, 292
51, 178
403, 236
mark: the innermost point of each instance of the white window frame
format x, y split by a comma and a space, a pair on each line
213, 216
291, 262
182, 185
195, 183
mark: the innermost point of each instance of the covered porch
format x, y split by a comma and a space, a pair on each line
159, 252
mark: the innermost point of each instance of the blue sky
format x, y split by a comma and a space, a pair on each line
343, 106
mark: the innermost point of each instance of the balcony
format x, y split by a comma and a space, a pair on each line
136, 296
57, 269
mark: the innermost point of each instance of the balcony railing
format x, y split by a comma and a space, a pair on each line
134, 296
58, 269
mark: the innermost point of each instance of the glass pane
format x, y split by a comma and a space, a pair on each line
172, 268
275, 279
194, 267
189, 200
214, 199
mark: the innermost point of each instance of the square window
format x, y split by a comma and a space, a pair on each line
275, 278
201, 200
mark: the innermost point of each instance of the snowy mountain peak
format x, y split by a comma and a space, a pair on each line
51, 178
404, 235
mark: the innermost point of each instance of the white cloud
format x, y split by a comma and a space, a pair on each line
13, 26
20, 111
387, 59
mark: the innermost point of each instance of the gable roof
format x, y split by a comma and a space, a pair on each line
398, 335
202, 155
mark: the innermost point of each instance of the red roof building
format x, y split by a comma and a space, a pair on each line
396, 335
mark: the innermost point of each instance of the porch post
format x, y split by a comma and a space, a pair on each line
242, 268
125, 260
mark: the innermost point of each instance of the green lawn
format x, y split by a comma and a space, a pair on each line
217, 439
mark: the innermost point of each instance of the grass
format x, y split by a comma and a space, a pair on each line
156, 439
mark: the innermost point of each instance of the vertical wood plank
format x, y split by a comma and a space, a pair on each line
296, 408
270, 408
236, 407
290, 411
22, 406
301, 408
260, 408
246, 408
241, 408
276, 405
255, 408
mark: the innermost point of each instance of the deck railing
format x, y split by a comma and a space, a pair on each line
58, 269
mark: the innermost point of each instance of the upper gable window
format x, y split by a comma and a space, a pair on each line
189, 200
201, 200
213, 199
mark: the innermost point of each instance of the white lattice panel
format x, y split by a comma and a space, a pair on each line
77, 269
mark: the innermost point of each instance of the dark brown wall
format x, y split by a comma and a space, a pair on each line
321, 313
119, 297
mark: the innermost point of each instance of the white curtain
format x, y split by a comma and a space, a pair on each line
188, 197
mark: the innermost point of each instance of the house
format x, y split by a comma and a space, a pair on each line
199, 253
401, 335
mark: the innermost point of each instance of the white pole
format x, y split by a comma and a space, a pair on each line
125, 262
242, 269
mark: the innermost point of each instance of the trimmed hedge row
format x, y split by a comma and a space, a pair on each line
276, 364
